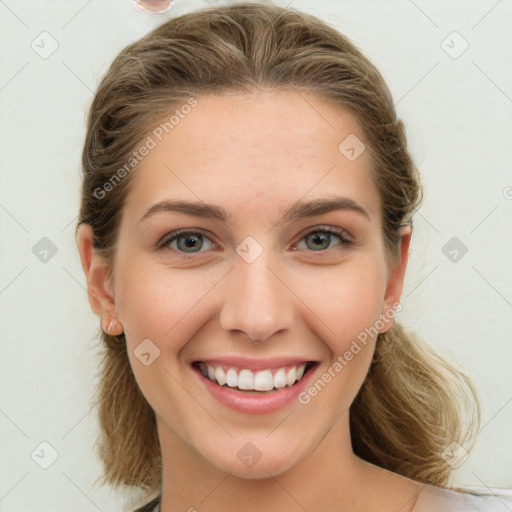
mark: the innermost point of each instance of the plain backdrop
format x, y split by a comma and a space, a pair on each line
448, 67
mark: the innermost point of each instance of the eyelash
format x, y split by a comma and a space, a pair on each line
345, 241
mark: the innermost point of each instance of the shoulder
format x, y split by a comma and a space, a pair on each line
472, 499
492, 500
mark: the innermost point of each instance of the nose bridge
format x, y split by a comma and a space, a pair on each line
256, 301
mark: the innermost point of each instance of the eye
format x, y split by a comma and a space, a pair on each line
187, 242
320, 238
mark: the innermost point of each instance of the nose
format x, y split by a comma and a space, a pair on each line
257, 300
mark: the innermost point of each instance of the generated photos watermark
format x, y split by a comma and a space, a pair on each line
150, 143
343, 360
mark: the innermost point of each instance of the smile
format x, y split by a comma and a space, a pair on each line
247, 380
255, 387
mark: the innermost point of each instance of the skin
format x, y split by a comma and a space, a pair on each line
254, 155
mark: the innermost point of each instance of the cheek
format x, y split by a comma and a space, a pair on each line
159, 303
347, 299
160, 310
349, 304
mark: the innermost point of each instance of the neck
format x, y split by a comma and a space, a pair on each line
320, 481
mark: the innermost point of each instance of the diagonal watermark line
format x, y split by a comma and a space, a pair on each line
76, 14
198, 402
492, 81
86, 414
416, 84
424, 14
77, 76
493, 210
200, 299
13, 423
286, 491
486, 14
301, 300
14, 76
280, 423
170, 170
415, 498
216, 487
489, 421
14, 485
502, 296
13, 279
491, 491
81, 490
14, 218
13, 13
69, 223
426, 220
409, 293
75, 279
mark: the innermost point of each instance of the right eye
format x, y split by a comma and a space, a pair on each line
187, 241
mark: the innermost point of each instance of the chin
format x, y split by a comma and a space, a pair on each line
256, 459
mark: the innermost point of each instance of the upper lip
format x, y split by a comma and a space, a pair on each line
243, 363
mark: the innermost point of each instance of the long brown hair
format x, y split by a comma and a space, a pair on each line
413, 404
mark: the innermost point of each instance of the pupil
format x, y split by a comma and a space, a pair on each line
321, 239
190, 242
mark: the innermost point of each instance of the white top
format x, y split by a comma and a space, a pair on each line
436, 499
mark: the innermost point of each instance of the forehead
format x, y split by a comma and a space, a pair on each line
236, 148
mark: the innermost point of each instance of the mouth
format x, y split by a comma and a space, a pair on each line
252, 381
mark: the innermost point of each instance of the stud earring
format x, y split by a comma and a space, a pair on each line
112, 326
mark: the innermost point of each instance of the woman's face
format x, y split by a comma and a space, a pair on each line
254, 296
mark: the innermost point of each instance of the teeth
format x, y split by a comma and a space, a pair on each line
280, 379
202, 367
262, 380
245, 379
232, 378
220, 376
291, 377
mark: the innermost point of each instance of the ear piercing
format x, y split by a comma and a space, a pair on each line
112, 326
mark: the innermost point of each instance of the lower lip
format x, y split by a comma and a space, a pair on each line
263, 403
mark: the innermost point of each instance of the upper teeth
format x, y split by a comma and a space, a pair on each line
262, 380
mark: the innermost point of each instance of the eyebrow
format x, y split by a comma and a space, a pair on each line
299, 210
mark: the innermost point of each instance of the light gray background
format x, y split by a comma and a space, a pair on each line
458, 114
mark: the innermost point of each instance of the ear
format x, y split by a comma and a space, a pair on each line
395, 282
99, 289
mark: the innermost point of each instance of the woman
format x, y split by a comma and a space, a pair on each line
244, 229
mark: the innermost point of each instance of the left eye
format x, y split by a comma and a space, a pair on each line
189, 242
320, 239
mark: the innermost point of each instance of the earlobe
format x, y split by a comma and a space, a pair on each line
96, 270
396, 279
111, 325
